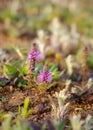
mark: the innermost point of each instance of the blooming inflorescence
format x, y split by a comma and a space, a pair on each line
45, 76
34, 54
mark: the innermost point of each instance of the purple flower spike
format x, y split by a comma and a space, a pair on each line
34, 54
45, 76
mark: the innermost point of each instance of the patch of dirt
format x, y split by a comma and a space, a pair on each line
5, 41
40, 103
17, 98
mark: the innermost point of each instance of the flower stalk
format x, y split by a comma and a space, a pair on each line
33, 57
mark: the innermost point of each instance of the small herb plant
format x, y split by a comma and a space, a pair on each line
24, 112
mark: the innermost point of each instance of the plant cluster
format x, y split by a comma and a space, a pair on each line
54, 80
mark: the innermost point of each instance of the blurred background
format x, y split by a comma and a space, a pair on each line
68, 23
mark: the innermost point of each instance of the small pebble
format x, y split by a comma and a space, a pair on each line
11, 88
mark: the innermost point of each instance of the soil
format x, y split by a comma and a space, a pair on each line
40, 103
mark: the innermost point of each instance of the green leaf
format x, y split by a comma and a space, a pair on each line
24, 69
38, 69
51, 85
55, 75
9, 71
61, 125
3, 81
7, 123
20, 82
25, 111
90, 61
26, 103
2, 84
53, 68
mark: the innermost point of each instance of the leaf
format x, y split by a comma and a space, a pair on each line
90, 61
38, 69
88, 122
55, 75
25, 111
62, 125
53, 68
24, 70
3, 81
51, 85
20, 82
7, 123
3, 99
9, 71
20, 51
19, 110
26, 103
2, 84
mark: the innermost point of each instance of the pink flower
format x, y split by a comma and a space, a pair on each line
35, 55
45, 76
